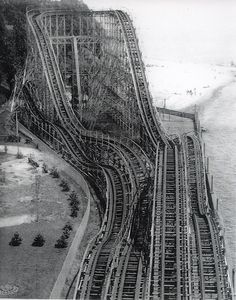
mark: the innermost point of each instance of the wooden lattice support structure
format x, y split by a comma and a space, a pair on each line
91, 55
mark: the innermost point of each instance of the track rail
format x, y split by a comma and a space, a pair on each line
55, 83
97, 272
209, 271
169, 268
193, 178
164, 273
149, 117
196, 175
130, 278
103, 251
52, 72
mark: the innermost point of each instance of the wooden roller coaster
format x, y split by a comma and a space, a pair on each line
158, 238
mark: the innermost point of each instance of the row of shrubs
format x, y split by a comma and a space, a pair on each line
74, 204
17, 240
39, 240
62, 242
73, 198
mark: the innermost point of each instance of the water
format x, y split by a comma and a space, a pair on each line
218, 116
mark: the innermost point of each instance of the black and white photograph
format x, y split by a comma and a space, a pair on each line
118, 149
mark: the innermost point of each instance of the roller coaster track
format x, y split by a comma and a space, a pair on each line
112, 287
170, 276
67, 139
219, 253
61, 104
52, 73
149, 117
56, 86
120, 156
195, 175
209, 267
101, 255
164, 275
98, 274
94, 287
116, 214
106, 255
114, 265
129, 276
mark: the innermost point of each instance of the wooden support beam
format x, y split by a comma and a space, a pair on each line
76, 57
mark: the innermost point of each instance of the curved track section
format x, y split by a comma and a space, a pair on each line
117, 214
120, 182
208, 271
195, 175
149, 117
120, 189
52, 72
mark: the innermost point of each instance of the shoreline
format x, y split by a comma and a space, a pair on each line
180, 86
220, 144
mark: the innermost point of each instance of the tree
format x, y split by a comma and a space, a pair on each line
73, 199
67, 227
65, 186
16, 240
61, 242
74, 212
38, 241
54, 173
67, 230
45, 168
66, 234
33, 162
74, 204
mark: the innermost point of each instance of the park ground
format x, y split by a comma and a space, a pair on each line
32, 271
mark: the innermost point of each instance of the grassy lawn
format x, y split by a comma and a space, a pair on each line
34, 269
